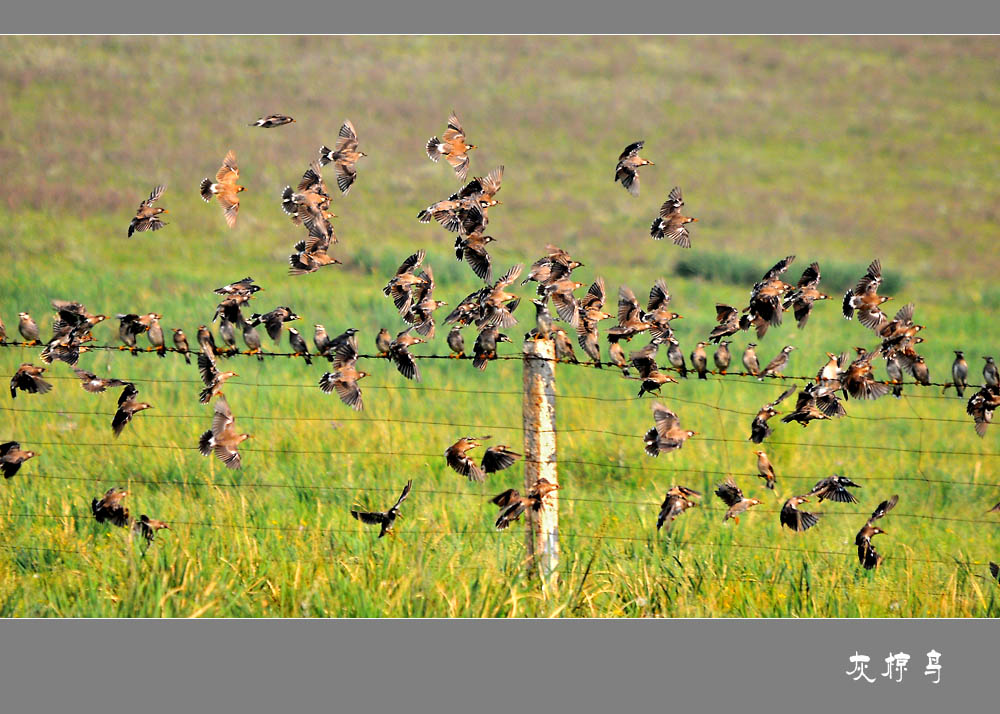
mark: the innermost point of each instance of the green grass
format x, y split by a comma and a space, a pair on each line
835, 149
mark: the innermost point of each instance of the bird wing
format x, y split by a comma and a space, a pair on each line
631, 150
664, 418
883, 508
229, 172
729, 492
153, 196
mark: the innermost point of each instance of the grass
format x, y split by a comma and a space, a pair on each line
834, 149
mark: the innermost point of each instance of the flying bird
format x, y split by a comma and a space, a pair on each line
667, 434
11, 458
128, 407
344, 156
222, 439
671, 222
512, 504
795, 519
272, 120
225, 188
28, 378
677, 500
344, 380
147, 216
627, 170
110, 508
497, 458
865, 301
801, 299
384, 519
147, 527
457, 458
834, 488
867, 555
453, 146
759, 428
765, 469
733, 497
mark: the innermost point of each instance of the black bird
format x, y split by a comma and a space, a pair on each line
485, 348
299, 346
795, 519
110, 508
11, 458
834, 488
384, 519
960, 373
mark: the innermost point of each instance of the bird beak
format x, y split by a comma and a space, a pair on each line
694, 220
165, 211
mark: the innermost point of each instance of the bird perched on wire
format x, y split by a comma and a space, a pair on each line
251, 338
11, 458
384, 519
344, 380
765, 469
750, 361
94, 384
147, 216
456, 343
795, 519
211, 377
699, 360
225, 189
617, 355
671, 222
805, 294
128, 406
677, 500
990, 373
272, 120
457, 458
666, 434
834, 488
28, 328
864, 299
676, 357
733, 497
775, 366
485, 349
867, 555
181, 344
28, 378
147, 527
759, 428
563, 347
980, 407
544, 324
722, 356
154, 333
110, 509
959, 373
222, 439
627, 170
344, 156
206, 341
453, 145
130, 326
298, 345
512, 504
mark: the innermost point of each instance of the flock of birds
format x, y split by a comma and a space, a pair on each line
491, 309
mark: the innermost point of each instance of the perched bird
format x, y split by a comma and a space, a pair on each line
322, 340
206, 342
11, 458
671, 222
795, 519
644, 361
275, 319
344, 381
222, 438
512, 504
627, 170
485, 348
298, 345
834, 488
110, 508
980, 407
128, 406
154, 333
990, 373
699, 360
867, 555
894, 369
453, 146
28, 328
344, 156
384, 519
677, 500
457, 459
383, 340
801, 299
212, 378
865, 300
960, 373
147, 216
544, 324
456, 343
28, 378
251, 338
775, 366
921, 373
181, 344
759, 428
666, 434
225, 188
733, 497
147, 527
750, 359
130, 326
94, 384
564, 347
498, 457
617, 355
676, 357
272, 120
722, 356
765, 469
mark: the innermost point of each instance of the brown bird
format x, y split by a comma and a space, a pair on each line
990, 373
245, 286
801, 299
384, 519
497, 458
699, 360
154, 333
147, 527
206, 342
127, 408
728, 318
181, 344
512, 504
667, 434
225, 188
834, 488
671, 222
466, 212
627, 170
3, 332
222, 438
110, 508
423, 305
344, 156
28, 328
795, 519
617, 355
733, 497
858, 381
765, 469
272, 120
865, 300
556, 264
960, 373
775, 366
867, 555
453, 146
94, 384
344, 381
759, 428
980, 407
676, 357
399, 286
644, 361
382, 342
147, 216
457, 459
631, 317
750, 359
311, 253
722, 356
399, 354
456, 343
28, 378
309, 204
11, 458
212, 377
814, 402
677, 500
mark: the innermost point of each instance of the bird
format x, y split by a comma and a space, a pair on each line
456, 343
795, 519
894, 370
644, 361
733, 497
497, 458
729, 321
858, 381
147, 527
995, 571
94, 384
466, 211
181, 344
801, 299
627, 170
765, 469
147, 216
244, 286
28, 328
344, 156
980, 407
456, 457
699, 360
225, 188
298, 345
676, 357
864, 299
485, 348
423, 305
453, 146
399, 354
722, 356
322, 340
677, 500
990, 372
399, 285
750, 359
154, 333
671, 222
765, 308
206, 342
272, 120
3, 332
807, 405
11, 458
28, 378
344, 380
512, 504
110, 508
867, 555
544, 324
211, 377
617, 355
472, 249
251, 338
128, 406
775, 366
275, 319
130, 326
222, 439
759, 428
834, 488
960, 373
666, 434
384, 519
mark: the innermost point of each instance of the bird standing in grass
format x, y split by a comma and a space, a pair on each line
110, 508
453, 146
627, 170
11, 458
147, 216
733, 497
384, 519
271, 121
225, 188
867, 555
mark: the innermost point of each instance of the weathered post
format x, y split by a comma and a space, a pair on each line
539, 412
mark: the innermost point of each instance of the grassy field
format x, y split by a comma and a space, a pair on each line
833, 149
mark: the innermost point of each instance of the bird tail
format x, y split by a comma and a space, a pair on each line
770, 484
656, 230
206, 189
424, 216
325, 155
131, 228
848, 307
287, 204
434, 148
205, 443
